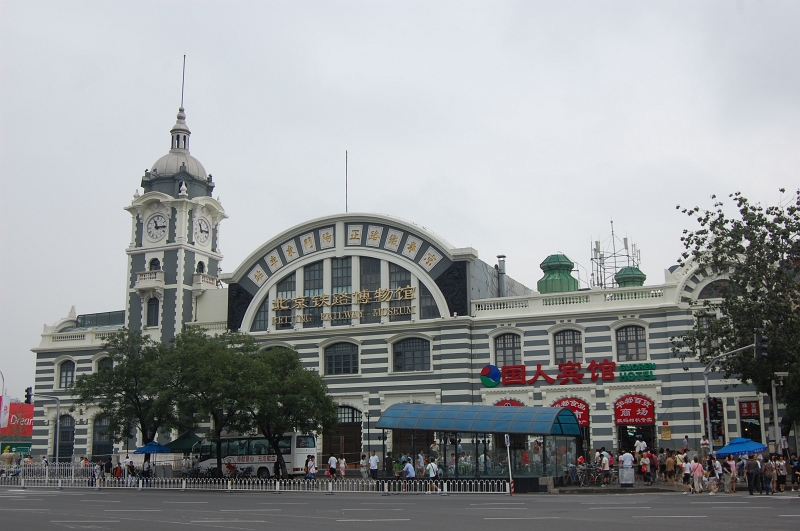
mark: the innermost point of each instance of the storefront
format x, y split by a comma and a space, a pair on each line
581, 410
750, 420
635, 419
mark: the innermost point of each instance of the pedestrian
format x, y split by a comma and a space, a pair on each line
311, 468
669, 469
45, 462
420, 463
363, 465
686, 466
408, 470
751, 469
794, 470
647, 475
781, 470
107, 468
98, 473
726, 475
768, 473
705, 447
342, 466
606, 470
332, 467
373, 465
388, 466
433, 475
685, 444
734, 473
697, 475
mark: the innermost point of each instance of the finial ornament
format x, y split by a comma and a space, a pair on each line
183, 188
136, 194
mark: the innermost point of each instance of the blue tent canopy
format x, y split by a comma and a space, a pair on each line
153, 448
480, 419
741, 446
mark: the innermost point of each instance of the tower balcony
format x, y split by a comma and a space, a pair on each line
149, 281
202, 282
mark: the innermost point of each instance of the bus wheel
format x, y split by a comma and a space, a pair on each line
263, 473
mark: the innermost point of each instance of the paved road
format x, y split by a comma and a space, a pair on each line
39, 510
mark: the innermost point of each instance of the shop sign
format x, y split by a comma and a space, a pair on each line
632, 372
569, 372
634, 409
343, 300
749, 410
577, 406
514, 403
13, 447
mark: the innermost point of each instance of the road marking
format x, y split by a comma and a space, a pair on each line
379, 520
102, 501
7, 509
714, 503
501, 508
182, 502
671, 516
286, 503
373, 509
246, 510
790, 515
226, 521
384, 503
525, 518
499, 503
132, 510
84, 521
616, 507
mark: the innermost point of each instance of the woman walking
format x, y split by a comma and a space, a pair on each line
342, 466
364, 466
697, 475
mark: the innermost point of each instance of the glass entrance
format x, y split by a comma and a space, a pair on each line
345, 438
628, 434
66, 438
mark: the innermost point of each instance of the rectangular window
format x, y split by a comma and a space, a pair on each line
399, 278
312, 280
261, 322
568, 346
370, 281
341, 282
286, 291
427, 304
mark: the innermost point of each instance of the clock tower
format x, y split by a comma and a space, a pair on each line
173, 256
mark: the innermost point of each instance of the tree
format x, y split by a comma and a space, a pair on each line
207, 375
756, 258
282, 396
132, 392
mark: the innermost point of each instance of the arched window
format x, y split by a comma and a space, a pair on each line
341, 358
152, 311
102, 447
155, 264
261, 321
65, 438
66, 374
507, 350
201, 267
568, 346
631, 343
286, 290
349, 415
105, 364
412, 354
715, 290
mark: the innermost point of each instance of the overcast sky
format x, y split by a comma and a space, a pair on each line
519, 128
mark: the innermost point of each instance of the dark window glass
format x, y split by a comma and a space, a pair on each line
261, 321
349, 415
568, 346
102, 447
341, 358
412, 354
286, 291
201, 267
152, 311
155, 264
399, 278
507, 350
370, 281
427, 305
631, 344
706, 342
341, 283
105, 364
312, 284
66, 374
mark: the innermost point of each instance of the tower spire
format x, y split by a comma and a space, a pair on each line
183, 78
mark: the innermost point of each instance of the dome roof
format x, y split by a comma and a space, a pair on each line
179, 159
175, 161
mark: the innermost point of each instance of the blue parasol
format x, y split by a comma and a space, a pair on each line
153, 448
741, 446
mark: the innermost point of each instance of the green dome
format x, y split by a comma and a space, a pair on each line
630, 276
557, 275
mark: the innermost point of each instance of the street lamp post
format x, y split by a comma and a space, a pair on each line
368, 443
706, 371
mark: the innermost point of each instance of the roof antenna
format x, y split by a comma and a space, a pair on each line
183, 78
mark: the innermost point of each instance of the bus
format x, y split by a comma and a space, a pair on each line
255, 457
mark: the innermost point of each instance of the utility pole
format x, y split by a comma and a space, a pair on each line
706, 371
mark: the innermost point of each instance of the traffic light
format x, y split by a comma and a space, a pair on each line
29, 395
762, 346
716, 409
717, 431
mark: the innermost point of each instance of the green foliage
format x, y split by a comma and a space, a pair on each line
282, 396
757, 255
133, 393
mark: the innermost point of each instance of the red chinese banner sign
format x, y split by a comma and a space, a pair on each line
515, 403
20, 421
634, 409
749, 410
577, 406
569, 372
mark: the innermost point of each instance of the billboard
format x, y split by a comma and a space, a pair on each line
20, 420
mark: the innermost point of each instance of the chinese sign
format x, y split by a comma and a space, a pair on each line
749, 410
577, 406
344, 299
634, 409
514, 403
631, 372
569, 372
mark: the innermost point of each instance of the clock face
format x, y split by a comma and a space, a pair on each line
156, 227
202, 230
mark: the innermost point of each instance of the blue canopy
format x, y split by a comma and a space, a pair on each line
741, 446
480, 419
153, 448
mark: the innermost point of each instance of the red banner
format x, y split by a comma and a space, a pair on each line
577, 406
749, 410
20, 421
510, 403
634, 409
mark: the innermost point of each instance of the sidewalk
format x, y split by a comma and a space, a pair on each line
638, 488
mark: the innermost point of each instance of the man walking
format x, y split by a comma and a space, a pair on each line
373, 466
751, 470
